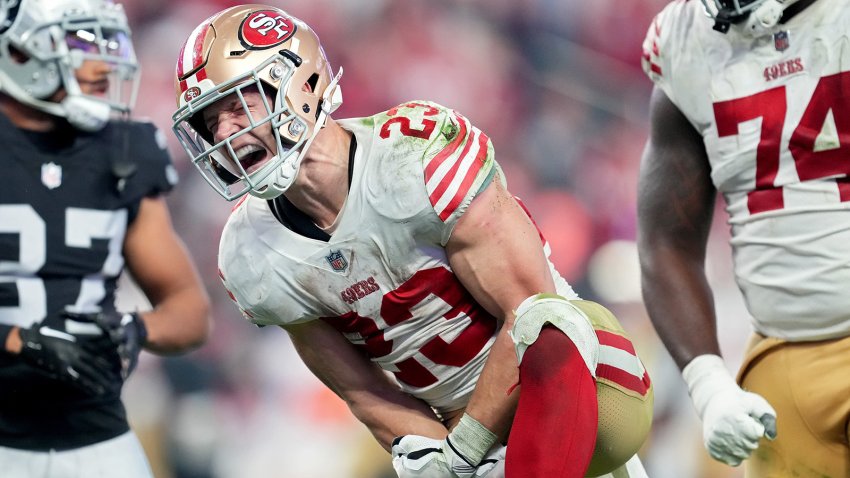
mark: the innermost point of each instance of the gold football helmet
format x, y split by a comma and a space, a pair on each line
253, 48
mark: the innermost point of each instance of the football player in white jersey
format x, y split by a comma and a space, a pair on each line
751, 101
389, 245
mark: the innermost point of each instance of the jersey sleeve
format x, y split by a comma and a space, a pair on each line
457, 164
251, 276
252, 314
148, 163
665, 39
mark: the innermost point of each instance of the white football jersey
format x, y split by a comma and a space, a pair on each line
774, 113
382, 279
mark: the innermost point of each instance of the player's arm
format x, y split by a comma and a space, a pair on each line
496, 253
160, 263
675, 205
373, 398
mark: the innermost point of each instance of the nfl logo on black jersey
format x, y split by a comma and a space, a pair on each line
337, 261
51, 175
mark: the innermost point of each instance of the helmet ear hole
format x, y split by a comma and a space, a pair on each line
311, 83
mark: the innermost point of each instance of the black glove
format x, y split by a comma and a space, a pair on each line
127, 334
67, 358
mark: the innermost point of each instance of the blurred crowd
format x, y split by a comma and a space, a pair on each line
557, 86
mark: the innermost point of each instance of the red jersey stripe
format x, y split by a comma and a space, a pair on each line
444, 183
469, 179
447, 151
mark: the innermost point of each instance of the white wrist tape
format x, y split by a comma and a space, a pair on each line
471, 440
706, 375
541, 309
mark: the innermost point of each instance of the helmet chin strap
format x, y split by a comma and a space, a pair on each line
85, 114
82, 113
761, 21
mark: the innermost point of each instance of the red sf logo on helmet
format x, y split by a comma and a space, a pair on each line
191, 94
265, 29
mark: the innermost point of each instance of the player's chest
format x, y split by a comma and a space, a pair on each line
59, 219
780, 114
359, 272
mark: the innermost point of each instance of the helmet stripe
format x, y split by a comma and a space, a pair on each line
193, 57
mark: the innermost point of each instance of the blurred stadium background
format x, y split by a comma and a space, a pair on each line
557, 85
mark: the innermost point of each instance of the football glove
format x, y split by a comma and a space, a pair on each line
733, 419
67, 358
416, 456
127, 334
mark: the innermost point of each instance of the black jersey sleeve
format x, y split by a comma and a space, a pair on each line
140, 160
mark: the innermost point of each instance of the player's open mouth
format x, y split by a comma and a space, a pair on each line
251, 157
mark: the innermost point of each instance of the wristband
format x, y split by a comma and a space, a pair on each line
706, 375
471, 440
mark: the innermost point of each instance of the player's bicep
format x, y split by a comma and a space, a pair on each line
675, 193
155, 254
496, 252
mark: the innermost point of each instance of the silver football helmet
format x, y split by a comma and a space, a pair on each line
43, 42
755, 17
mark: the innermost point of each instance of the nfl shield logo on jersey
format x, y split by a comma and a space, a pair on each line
51, 175
337, 261
781, 40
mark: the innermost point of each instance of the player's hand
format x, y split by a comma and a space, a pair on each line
66, 357
416, 456
127, 333
420, 457
733, 419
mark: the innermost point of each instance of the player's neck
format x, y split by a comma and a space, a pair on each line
26, 117
322, 185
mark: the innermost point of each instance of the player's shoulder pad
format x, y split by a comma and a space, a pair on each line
455, 157
143, 153
246, 262
670, 33
237, 266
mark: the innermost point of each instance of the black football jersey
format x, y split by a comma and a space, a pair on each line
66, 201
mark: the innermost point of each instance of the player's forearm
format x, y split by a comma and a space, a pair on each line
393, 413
491, 404
179, 323
680, 303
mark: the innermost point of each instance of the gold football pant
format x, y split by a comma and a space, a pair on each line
808, 384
